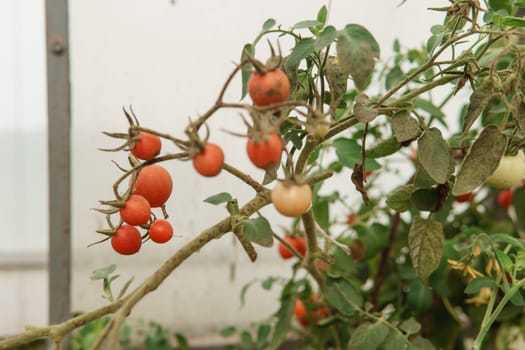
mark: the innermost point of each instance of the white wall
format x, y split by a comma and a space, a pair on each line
169, 63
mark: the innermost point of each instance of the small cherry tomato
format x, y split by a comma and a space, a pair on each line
154, 183
505, 198
268, 88
310, 311
266, 153
136, 211
126, 240
466, 197
351, 219
160, 231
298, 243
509, 173
291, 199
147, 146
210, 161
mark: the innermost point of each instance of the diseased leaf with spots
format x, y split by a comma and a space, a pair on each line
478, 101
258, 231
481, 160
405, 127
357, 50
434, 155
368, 336
518, 109
400, 199
425, 241
362, 111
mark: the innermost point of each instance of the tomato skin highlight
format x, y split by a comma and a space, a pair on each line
210, 161
136, 210
126, 240
509, 173
291, 200
160, 231
154, 183
147, 147
298, 243
265, 154
268, 88
505, 198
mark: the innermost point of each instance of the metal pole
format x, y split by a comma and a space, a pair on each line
59, 122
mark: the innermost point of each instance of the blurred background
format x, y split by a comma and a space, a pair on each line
169, 61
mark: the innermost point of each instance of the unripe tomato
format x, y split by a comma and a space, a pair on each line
298, 243
126, 240
160, 231
265, 154
268, 88
136, 211
505, 198
147, 146
154, 183
509, 173
210, 161
466, 197
291, 199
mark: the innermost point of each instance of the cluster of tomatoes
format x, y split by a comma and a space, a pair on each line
151, 189
310, 311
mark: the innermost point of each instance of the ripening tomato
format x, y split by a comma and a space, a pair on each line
298, 243
265, 154
126, 240
210, 161
147, 146
466, 197
268, 88
136, 211
509, 173
313, 311
160, 231
351, 218
291, 199
154, 183
505, 198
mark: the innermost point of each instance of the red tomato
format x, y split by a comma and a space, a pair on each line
209, 162
505, 198
126, 240
154, 183
136, 211
466, 197
351, 219
147, 146
160, 231
313, 311
268, 88
298, 243
265, 154
291, 200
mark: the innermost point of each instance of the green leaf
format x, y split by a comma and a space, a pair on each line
421, 343
394, 77
481, 160
419, 297
433, 42
479, 282
422, 178
246, 71
434, 155
410, 326
321, 209
343, 296
429, 107
520, 4
383, 148
219, 198
357, 50
247, 341
284, 320
396, 341
477, 102
103, 273
349, 154
322, 15
303, 49
258, 231
268, 24
505, 5
518, 201
405, 127
504, 260
182, 342
306, 24
512, 21
326, 37
228, 331
368, 336
425, 241
426, 199
262, 334
400, 199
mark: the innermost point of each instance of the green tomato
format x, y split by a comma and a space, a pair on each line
509, 173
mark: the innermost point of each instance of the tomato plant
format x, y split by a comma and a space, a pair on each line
265, 153
291, 199
160, 231
147, 147
298, 243
210, 161
267, 88
126, 240
136, 211
154, 183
